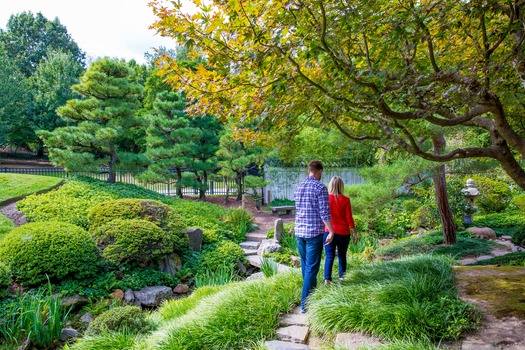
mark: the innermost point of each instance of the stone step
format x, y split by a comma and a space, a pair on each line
294, 320
249, 252
284, 345
255, 237
254, 260
294, 334
251, 245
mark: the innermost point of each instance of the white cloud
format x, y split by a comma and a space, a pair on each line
115, 28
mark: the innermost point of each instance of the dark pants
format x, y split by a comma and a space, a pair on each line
341, 243
310, 250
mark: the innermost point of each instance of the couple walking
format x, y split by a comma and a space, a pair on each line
323, 218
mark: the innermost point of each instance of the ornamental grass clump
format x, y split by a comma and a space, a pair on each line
406, 299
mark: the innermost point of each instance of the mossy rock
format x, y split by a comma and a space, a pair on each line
132, 208
54, 249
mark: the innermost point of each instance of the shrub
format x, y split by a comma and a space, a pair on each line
519, 238
503, 223
221, 254
411, 205
519, 201
55, 249
127, 318
5, 278
132, 208
494, 195
241, 222
425, 217
133, 241
217, 277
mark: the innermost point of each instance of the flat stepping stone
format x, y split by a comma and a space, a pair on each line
484, 257
284, 345
249, 252
251, 245
499, 252
294, 334
255, 237
352, 341
477, 345
294, 320
467, 261
254, 260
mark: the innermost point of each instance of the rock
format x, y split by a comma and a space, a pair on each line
195, 238
353, 341
482, 232
295, 334
153, 296
296, 261
68, 333
294, 320
278, 230
255, 276
129, 298
240, 267
74, 301
250, 245
269, 246
118, 294
181, 289
284, 345
477, 345
171, 264
506, 238
87, 318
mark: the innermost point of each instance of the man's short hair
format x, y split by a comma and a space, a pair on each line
315, 166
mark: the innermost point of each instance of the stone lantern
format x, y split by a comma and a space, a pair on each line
470, 193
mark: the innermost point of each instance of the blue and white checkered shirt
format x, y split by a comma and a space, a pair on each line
311, 208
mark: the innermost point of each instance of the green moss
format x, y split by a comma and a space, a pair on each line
500, 288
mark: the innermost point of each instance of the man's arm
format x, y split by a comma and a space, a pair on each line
330, 236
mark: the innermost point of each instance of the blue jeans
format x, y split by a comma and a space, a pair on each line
341, 242
310, 250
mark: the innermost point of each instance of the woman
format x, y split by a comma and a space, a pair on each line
343, 224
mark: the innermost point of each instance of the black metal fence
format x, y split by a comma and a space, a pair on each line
168, 188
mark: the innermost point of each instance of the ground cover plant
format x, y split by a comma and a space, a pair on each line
511, 259
432, 242
6, 225
17, 185
239, 315
412, 298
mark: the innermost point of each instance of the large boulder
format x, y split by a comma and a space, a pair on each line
153, 296
483, 232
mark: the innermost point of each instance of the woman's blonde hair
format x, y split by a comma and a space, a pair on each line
336, 186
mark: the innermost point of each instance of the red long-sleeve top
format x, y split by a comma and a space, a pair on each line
341, 213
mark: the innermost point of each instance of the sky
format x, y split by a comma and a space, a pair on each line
114, 28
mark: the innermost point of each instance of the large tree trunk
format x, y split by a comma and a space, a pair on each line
112, 176
440, 185
240, 191
202, 189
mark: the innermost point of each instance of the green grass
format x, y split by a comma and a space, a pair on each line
433, 243
511, 259
6, 225
236, 316
17, 185
408, 299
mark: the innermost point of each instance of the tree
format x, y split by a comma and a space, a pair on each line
170, 140
374, 70
28, 38
51, 83
14, 98
105, 117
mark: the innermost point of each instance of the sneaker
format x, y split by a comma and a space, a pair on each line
327, 281
340, 278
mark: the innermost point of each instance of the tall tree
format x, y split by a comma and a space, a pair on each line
14, 97
105, 118
378, 70
51, 83
28, 38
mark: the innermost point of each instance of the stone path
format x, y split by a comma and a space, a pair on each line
13, 214
503, 240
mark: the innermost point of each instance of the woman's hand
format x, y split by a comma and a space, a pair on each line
355, 235
329, 238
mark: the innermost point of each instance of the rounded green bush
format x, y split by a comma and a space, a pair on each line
117, 319
222, 254
132, 208
424, 217
5, 278
519, 201
518, 238
494, 196
55, 249
133, 241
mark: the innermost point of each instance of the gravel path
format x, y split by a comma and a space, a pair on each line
13, 214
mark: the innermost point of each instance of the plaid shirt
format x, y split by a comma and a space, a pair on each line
311, 208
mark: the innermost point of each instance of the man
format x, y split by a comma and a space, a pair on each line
312, 214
